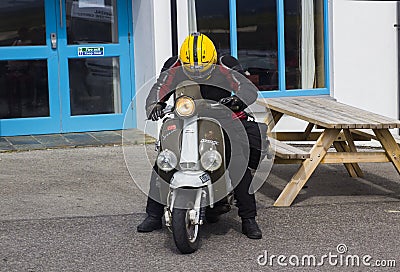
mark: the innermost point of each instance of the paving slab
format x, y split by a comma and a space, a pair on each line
82, 139
5, 145
22, 140
53, 141
68, 140
107, 137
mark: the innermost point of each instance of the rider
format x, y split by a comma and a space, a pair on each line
198, 62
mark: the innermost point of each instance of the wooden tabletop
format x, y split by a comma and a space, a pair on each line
328, 113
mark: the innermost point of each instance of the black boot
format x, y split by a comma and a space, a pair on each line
250, 228
149, 224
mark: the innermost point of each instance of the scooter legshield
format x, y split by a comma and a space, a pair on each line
211, 136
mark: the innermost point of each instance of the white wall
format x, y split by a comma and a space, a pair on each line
144, 54
364, 61
182, 20
152, 34
162, 32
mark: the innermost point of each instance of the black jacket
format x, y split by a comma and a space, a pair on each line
228, 76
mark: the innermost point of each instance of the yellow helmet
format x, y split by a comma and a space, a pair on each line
198, 56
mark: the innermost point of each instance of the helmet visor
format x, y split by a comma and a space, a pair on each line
198, 71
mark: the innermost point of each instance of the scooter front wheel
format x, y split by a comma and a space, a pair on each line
186, 234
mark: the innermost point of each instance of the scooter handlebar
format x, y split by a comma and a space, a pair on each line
168, 109
212, 106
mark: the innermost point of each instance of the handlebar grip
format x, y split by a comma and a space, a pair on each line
168, 109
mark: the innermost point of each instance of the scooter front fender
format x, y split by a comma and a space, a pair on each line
193, 179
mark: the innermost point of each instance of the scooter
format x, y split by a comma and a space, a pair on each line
192, 165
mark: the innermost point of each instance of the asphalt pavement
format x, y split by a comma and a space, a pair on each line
76, 209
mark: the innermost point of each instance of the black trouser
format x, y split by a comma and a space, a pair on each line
244, 200
259, 145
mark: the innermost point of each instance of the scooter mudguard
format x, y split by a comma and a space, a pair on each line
195, 179
191, 181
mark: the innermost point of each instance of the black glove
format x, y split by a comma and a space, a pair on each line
157, 111
233, 102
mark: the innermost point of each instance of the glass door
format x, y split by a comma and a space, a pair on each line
29, 100
64, 66
94, 64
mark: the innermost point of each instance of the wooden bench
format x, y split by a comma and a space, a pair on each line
369, 134
287, 152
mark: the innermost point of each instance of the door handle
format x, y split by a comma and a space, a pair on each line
53, 39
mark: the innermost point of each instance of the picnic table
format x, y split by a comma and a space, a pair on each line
338, 127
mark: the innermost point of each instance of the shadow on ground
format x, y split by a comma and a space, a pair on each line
332, 184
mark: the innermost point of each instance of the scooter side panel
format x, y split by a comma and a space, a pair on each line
170, 138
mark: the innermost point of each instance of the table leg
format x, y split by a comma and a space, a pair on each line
273, 119
341, 147
308, 130
352, 148
306, 169
353, 168
389, 144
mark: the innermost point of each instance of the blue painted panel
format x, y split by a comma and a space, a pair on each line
26, 126
233, 27
25, 52
271, 94
281, 45
326, 46
91, 122
131, 121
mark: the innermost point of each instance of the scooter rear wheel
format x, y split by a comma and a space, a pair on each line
186, 234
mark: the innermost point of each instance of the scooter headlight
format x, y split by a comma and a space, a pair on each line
185, 106
211, 160
166, 160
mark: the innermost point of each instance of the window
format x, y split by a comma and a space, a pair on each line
257, 42
304, 44
212, 19
282, 44
92, 24
22, 23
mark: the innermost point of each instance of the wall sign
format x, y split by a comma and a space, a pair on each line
93, 13
91, 3
90, 51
